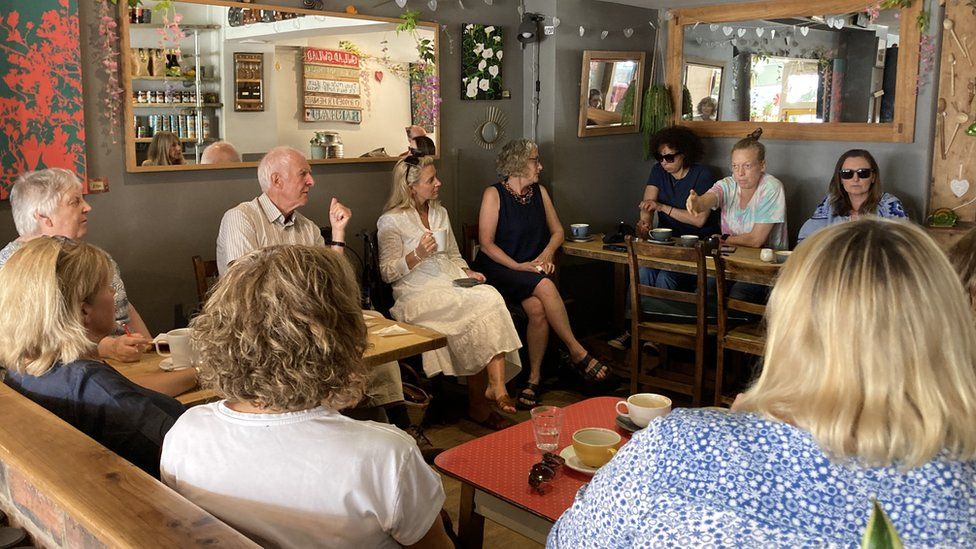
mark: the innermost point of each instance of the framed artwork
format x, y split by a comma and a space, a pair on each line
482, 50
41, 106
332, 89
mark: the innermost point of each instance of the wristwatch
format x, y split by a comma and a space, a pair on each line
725, 237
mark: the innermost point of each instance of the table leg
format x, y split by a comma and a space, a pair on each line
619, 296
471, 525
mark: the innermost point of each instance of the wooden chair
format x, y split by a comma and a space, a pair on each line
206, 275
749, 337
685, 335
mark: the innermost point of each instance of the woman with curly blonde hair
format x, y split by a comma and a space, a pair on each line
519, 233
867, 392
281, 339
56, 303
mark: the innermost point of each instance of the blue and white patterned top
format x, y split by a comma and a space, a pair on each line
707, 478
889, 206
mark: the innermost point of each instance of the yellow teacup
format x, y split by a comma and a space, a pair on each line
595, 446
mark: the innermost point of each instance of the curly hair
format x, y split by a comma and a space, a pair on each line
42, 289
514, 158
680, 139
283, 330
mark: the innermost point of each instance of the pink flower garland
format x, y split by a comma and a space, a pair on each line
107, 56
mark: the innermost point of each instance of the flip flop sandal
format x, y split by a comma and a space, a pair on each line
503, 404
494, 421
529, 397
591, 371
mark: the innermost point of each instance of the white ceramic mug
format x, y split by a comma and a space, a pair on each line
766, 254
643, 407
440, 237
579, 230
179, 352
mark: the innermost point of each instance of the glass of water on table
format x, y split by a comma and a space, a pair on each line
547, 421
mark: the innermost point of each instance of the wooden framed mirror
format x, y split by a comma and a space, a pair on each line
610, 92
340, 88
800, 69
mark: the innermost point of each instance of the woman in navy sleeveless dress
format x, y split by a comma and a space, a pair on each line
519, 233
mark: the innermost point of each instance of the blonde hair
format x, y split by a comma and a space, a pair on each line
39, 192
963, 258
513, 160
283, 329
405, 175
870, 347
42, 289
158, 153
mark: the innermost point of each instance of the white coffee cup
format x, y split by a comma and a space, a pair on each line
440, 237
766, 254
643, 407
580, 230
180, 353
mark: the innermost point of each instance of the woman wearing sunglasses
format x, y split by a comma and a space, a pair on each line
854, 190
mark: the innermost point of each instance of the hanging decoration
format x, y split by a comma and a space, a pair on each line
491, 130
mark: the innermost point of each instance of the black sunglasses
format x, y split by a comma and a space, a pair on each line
545, 471
862, 173
666, 157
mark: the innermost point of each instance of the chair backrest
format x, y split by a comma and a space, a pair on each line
727, 269
380, 293
205, 273
636, 249
469, 241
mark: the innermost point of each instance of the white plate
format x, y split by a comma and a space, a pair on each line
587, 239
167, 365
573, 462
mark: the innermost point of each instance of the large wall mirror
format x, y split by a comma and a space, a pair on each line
341, 88
610, 92
820, 69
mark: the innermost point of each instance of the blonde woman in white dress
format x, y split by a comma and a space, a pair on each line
482, 342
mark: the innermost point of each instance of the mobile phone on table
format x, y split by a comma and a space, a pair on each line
615, 247
726, 249
466, 282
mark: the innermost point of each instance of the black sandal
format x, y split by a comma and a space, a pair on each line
591, 372
529, 397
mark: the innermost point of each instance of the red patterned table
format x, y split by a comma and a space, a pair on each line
494, 472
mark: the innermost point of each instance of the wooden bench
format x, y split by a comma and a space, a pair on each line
67, 490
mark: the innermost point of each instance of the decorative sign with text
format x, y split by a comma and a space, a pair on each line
331, 86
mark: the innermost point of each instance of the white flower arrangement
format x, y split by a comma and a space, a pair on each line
481, 61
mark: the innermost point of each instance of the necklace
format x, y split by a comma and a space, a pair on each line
522, 199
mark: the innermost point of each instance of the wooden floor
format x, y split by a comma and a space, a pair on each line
448, 436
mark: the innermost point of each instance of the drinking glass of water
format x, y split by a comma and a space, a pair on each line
546, 424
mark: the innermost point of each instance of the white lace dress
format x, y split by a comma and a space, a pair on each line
475, 320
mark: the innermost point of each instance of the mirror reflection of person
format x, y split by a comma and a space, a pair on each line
165, 149
519, 232
478, 326
220, 152
867, 391
413, 132
706, 109
595, 99
854, 191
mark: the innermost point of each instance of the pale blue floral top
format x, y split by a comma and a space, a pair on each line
889, 206
707, 478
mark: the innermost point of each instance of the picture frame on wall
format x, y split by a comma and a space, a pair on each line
482, 54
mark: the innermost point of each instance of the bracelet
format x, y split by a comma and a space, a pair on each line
670, 211
337, 243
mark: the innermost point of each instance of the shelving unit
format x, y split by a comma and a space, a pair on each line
248, 91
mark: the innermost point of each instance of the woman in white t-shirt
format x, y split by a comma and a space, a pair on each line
281, 339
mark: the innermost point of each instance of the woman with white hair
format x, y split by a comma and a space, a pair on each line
481, 338
867, 392
56, 303
50, 203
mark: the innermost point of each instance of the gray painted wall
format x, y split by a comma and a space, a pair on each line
153, 223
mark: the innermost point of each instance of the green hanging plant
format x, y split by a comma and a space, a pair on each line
880, 533
686, 107
656, 115
627, 111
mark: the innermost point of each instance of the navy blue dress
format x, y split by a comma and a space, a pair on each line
99, 401
522, 233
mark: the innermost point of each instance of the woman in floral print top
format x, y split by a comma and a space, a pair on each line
831, 424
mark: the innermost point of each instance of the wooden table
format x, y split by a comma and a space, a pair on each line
380, 351
494, 473
594, 250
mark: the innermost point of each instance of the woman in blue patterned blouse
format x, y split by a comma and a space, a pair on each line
854, 190
868, 392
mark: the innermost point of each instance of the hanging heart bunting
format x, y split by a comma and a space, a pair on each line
760, 31
741, 32
628, 32
489, 2
772, 33
603, 35
556, 21
582, 30
432, 5
839, 23
713, 27
378, 75
959, 187
401, 3
727, 31
804, 30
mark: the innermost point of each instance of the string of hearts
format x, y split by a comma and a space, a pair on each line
432, 4
760, 31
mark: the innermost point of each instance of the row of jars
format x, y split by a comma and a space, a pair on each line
165, 96
183, 125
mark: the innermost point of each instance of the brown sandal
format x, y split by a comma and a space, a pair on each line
504, 403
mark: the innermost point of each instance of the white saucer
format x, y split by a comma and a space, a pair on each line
587, 239
573, 462
167, 365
